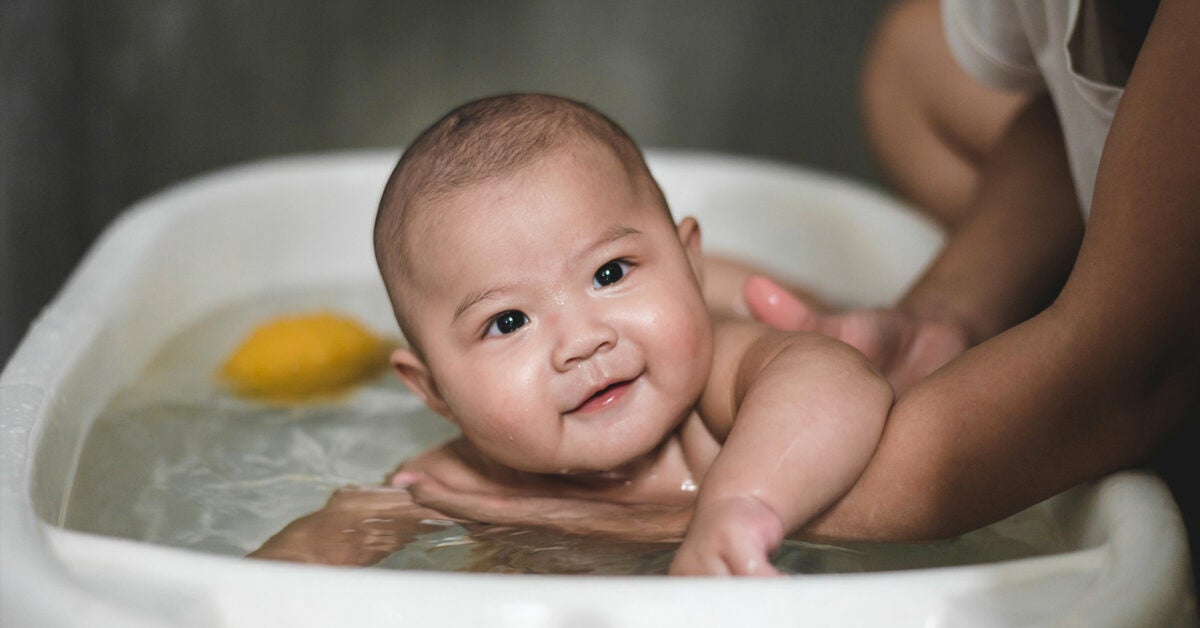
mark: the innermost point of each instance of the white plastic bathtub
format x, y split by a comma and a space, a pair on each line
293, 222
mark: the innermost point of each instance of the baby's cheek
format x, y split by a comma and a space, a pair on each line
496, 429
687, 328
515, 437
510, 409
691, 345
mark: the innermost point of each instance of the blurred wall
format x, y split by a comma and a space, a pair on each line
104, 103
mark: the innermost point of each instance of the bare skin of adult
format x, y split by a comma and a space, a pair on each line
1032, 355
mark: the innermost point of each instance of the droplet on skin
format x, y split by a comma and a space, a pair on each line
688, 486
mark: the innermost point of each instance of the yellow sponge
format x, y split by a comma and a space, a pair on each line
297, 357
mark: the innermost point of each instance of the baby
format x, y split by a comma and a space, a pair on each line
554, 313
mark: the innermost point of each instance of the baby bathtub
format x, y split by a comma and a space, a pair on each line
300, 220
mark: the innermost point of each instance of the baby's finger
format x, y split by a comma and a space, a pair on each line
756, 567
699, 566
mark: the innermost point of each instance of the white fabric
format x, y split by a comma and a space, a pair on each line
1051, 46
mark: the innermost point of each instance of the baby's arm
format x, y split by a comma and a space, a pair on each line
801, 415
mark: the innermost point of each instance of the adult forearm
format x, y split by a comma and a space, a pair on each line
1095, 382
1014, 250
952, 450
1018, 419
976, 441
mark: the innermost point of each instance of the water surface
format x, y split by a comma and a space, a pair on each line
176, 460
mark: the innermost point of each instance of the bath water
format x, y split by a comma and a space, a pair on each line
176, 460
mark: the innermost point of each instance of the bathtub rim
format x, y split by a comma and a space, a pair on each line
50, 558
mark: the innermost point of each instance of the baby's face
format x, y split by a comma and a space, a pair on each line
560, 315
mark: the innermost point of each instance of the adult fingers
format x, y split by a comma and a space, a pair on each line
774, 305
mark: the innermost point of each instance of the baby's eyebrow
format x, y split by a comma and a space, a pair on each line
612, 234
471, 299
617, 232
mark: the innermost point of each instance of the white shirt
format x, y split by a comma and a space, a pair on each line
1055, 46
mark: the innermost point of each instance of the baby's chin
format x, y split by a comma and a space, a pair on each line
619, 457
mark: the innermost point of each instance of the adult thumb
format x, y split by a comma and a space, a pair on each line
774, 305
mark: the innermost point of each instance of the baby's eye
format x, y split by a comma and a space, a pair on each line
507, 322
610, 273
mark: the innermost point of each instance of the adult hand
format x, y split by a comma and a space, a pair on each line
904, 347
357, 526
630, 522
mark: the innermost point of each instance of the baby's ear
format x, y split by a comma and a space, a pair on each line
689, 236
412, 371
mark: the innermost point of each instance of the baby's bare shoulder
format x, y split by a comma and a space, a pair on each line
734, 341
742, 346
741, 349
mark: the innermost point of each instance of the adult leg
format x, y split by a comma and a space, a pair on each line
930, 125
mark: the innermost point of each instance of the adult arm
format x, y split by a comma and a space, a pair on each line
1005, 262
1095, 381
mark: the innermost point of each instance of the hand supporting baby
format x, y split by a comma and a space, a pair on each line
732, 537
584, 517
904, 347
357, 526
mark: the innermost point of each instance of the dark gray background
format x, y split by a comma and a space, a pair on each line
104, 103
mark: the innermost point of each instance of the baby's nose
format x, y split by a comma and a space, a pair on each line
581, 337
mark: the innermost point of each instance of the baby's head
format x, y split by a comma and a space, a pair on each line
552, 307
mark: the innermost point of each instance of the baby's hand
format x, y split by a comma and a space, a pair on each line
730, 537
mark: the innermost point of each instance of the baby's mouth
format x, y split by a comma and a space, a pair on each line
605, 396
